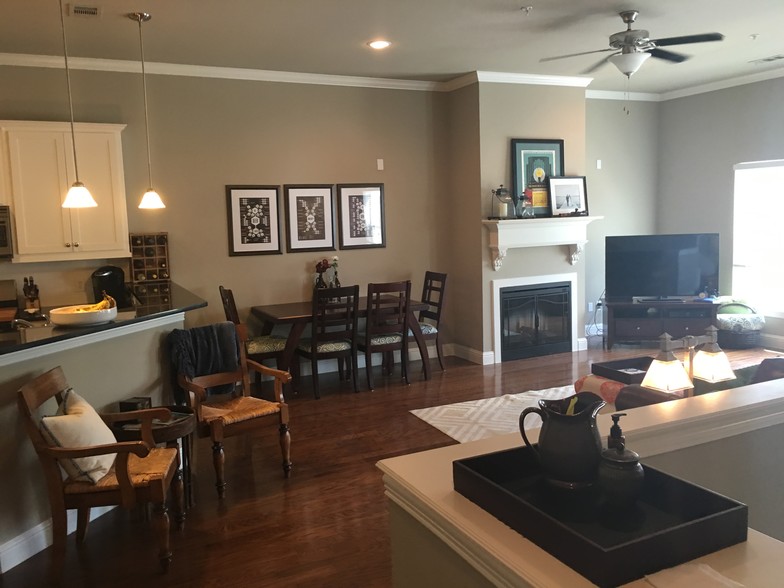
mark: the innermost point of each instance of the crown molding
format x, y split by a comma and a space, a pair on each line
724, 84
201, 71
235, 73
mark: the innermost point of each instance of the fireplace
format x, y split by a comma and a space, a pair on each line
535, 320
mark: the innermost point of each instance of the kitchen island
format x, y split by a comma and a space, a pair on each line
439, 537
104, 364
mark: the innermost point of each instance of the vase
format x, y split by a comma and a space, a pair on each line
336, 280
320, 283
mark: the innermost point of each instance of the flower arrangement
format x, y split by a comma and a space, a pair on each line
322, 266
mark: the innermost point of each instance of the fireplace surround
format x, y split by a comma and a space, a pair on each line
535, 320
527, 281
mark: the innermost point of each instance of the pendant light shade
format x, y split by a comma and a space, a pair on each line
78, 196
150, 199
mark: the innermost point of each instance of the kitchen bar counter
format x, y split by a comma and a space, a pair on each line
440, 537
14, 343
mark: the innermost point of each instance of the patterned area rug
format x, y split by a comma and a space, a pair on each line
477, 419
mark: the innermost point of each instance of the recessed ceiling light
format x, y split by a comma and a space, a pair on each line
379, 44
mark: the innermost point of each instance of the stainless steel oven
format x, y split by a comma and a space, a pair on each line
6, 246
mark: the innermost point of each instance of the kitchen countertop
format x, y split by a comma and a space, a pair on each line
45, 333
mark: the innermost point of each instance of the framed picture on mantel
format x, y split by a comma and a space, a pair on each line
568, 196
534, 161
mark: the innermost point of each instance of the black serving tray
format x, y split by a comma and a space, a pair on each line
672, 522
614, 370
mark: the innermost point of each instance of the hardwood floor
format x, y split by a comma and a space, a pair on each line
326, 525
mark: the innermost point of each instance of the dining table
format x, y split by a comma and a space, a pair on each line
300, 314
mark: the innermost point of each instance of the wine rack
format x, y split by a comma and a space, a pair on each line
150, 271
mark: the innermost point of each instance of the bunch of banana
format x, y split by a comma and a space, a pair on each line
106, 303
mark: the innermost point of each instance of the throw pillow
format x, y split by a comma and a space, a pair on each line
76, 424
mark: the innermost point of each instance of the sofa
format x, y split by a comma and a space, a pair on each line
635, 395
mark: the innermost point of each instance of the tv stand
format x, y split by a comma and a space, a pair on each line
633, 322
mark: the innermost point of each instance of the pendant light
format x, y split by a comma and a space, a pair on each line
78, 195
150, 199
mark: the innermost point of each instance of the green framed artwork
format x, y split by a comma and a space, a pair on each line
534, 162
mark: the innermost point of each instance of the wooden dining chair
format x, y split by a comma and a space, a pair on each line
213, 371
386, 326
258, 347
433, 293
334, 332
77, 451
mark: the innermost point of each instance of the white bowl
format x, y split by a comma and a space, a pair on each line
70, 316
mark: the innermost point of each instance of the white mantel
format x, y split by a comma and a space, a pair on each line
571, 231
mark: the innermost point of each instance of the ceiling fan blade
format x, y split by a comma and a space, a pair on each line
596, 65
685, 40
668, 55
575, 54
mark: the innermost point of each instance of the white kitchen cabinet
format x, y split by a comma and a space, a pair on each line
39, 169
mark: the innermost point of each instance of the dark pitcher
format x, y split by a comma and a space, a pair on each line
569, 448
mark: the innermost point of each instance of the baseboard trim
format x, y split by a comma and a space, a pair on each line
35, 540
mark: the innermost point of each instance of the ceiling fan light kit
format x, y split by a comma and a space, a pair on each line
628, 63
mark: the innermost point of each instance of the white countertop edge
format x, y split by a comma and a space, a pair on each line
75, 342
421, 483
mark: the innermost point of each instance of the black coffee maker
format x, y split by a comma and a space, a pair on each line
111, 279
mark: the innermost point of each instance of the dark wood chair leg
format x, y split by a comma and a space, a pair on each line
369, 368
178, 499
161, 523
82, 522
355, 371
219, 461
285, 448
314, 375
440, 353
59, 540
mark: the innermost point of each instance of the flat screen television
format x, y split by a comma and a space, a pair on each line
661, 266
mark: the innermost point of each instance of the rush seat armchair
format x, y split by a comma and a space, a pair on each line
99, 471
212, 370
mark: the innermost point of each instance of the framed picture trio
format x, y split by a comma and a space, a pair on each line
311, 211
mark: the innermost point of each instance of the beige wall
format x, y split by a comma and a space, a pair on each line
526, 112
461, 212
625, 137
207, 133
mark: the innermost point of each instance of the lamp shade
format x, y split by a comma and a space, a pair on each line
667, 375
628, 63
151, 199
712, 366
79, 197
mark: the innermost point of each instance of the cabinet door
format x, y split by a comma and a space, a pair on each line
104, 228
38, 177
40, 160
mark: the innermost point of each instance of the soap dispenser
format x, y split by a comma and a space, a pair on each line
620, 473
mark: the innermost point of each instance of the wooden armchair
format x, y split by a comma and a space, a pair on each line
221, 398
141, 473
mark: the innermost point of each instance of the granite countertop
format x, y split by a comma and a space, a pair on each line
43, 333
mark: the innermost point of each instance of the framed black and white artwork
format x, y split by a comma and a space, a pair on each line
310, 217
568, 196
254, 219
361, 211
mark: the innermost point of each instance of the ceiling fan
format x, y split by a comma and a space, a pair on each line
633, 46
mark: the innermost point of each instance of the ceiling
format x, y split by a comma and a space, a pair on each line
434, 40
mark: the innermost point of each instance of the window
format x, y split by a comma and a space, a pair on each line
758, 235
